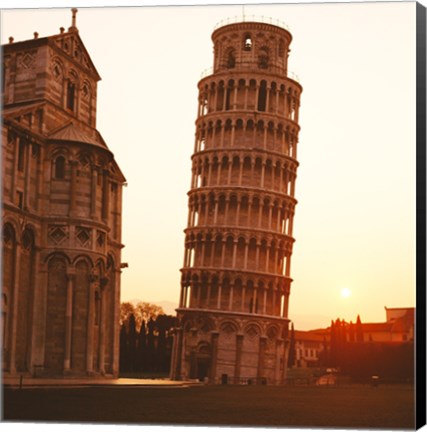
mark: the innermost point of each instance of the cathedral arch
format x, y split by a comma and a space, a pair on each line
59, 164
83, 257
71, 90
55, 313
57, 69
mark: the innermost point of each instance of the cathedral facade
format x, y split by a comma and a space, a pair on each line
236, 281
61, 216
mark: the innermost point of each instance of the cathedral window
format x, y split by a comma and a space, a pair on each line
59, 169
20, 199
21, 155
3, 320
71, 95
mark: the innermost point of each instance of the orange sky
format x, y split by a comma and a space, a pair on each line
355, 221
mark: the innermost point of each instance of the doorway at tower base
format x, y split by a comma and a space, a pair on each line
225, 348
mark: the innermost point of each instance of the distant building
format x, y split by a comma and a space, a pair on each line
308, 347
312, 346
399, 327
62, 206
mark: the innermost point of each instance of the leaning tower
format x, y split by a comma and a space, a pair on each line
235, 283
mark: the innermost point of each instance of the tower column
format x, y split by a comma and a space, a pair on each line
15, 300
238, 361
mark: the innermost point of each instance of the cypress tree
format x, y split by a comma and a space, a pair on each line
132, 341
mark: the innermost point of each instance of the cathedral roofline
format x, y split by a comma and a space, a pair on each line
54, 41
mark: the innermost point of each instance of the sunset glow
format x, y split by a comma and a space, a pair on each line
348, 226
345, 292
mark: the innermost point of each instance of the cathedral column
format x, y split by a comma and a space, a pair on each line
36, 353
68, 321
90, 324
73, 191
102, 323
94, 183
14, 168
39, 192
105, 195
27, 176
14, 326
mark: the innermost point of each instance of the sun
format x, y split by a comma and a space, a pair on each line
345, 292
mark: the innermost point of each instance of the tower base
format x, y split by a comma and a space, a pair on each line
230, 348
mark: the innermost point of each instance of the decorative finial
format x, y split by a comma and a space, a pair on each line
61, 29
10, 39
73, 19
36, 35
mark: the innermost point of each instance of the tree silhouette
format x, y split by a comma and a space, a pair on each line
142, 348
132, 341
359, 330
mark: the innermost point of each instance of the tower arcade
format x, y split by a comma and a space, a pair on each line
235, 280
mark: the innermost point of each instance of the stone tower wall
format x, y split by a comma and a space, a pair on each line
238, 241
